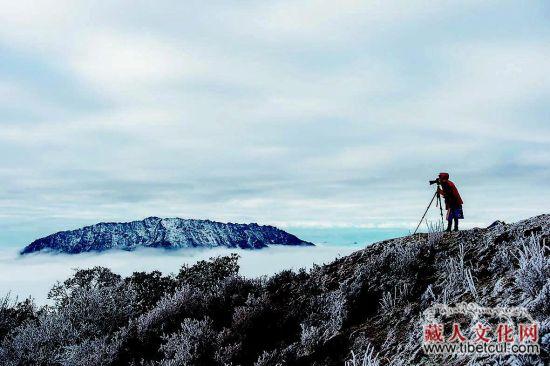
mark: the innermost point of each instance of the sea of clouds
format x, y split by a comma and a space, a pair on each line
34, 274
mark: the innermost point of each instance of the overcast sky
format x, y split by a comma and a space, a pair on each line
278, 112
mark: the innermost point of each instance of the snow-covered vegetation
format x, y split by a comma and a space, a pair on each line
362, 309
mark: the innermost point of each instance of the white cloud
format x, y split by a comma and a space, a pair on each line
39, 26
328, 22
479, 86
124, 64
488, 74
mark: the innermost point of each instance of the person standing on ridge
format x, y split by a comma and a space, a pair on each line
453, 201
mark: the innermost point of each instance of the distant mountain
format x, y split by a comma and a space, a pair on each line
154, 232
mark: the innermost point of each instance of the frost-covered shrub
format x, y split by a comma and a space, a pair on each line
207, 274
458, 279
41, 341
534, 266
87, 313
361, 346
5, 319
230, 293
428, 296
194, 344
227, 352
272, 358
435, 233
185, 302
400, 257
311, 337
149, 288
99, 311
261, 324
390, 300
283, 287
253, 309
84, 279
13, 314
387, 303
502, 259
331, 313
541, 303
99, 351
368, 358
334, 311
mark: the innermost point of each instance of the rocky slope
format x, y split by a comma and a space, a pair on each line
163, 233
388, 286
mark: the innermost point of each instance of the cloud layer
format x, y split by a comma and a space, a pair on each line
288, 112
35, 275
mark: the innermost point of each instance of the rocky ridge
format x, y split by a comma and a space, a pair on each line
170, 233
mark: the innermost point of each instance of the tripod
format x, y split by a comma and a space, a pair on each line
438, 202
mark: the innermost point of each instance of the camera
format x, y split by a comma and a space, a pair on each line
435, 181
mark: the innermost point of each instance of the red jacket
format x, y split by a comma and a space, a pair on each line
452, 197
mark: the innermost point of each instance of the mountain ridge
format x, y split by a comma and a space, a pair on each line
168, 233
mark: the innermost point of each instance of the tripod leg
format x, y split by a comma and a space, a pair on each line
425, 212
440, 205
441, 209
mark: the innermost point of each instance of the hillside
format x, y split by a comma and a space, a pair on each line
170, 233
370, 303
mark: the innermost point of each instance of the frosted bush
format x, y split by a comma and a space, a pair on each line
98, 311
502, 259
82, 280
244, 317
13, 314
269, 359
368, 358
458, 279
332, 311
541, 303
185, 299
399, 256
405, 255
310, 338
387, 303
98, 351
39, 342
470, 284
390, 300
534, 266
428, 296
86, 314
6, 303
435, 233
194, 343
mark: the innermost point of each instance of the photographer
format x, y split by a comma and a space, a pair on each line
453, 201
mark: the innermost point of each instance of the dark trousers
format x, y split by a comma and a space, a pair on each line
449, 223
